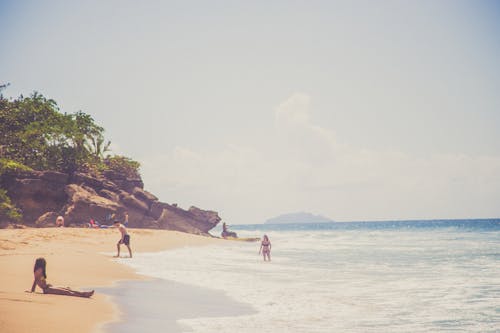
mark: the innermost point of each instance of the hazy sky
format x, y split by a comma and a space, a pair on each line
357, 110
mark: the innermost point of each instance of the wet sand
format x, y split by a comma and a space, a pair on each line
156, 306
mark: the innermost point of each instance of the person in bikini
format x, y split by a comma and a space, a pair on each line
40, 274
124, 240
265, 248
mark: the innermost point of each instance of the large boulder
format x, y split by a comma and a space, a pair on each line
157, 209
84, 205
47, 220
54, 177
194, 221
130, 183
42, 196
171, 220
144, 196
205, 219
80, 178
35, 193
113, 196
131, 202
148, 222
125, 183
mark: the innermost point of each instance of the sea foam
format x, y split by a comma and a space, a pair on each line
350, 280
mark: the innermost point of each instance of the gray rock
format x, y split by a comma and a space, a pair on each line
42, 196
84, 205
144, 196
131, 202
47, 220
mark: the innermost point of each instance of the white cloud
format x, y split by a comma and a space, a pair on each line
306, 168
294, 111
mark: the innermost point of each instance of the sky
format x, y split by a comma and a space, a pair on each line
356, 110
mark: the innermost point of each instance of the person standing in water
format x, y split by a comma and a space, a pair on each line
265, 248
40, 274
124, 240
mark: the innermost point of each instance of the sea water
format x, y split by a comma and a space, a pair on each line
403, 276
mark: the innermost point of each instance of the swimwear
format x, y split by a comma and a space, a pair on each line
125, 240
265, 247
42, 283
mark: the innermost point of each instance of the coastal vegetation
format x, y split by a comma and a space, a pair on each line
36, 135
60, 164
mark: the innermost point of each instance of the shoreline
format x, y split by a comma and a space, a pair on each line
153, 303
77, 258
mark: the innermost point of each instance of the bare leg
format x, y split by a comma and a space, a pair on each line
67, 292
129, 251
118, 248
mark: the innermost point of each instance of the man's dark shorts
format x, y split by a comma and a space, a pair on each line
125, 240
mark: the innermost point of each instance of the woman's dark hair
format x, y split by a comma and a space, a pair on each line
41, 263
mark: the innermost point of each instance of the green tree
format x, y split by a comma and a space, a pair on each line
35, 133
8, 212
123, 165
98, 147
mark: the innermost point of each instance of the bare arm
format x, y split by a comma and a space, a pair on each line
260, 250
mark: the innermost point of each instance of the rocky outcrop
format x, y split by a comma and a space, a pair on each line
42, 196
199, 221
36, 193
47, 220
82, 205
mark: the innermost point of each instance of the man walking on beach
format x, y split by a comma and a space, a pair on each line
124, 240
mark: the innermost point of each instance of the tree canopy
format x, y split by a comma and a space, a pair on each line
35, 134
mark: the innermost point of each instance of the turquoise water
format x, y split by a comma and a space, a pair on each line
465, 225
397, 276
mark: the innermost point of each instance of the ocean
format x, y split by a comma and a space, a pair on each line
397, 276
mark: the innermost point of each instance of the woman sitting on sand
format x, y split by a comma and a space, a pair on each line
265, 248
41, 276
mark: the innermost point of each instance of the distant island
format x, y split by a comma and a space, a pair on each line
296, 218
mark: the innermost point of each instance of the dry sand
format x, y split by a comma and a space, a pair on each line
74, 258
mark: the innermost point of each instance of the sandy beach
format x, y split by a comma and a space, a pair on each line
78, 258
